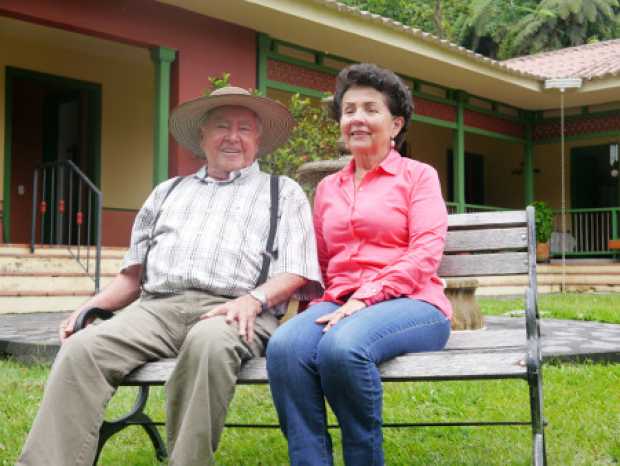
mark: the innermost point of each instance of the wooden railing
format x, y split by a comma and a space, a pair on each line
587, 231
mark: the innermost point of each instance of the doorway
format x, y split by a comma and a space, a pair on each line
594, 188
594, 177
49, 118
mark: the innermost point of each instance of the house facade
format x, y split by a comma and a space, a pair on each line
94, 82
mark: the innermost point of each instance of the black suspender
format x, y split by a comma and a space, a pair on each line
268, 254
176, 181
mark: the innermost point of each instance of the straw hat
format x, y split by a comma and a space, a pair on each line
276, 121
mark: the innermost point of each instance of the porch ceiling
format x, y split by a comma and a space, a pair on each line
52, 37
328, 26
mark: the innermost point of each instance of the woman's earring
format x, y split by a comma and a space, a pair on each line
392, 143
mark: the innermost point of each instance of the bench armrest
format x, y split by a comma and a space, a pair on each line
89, 314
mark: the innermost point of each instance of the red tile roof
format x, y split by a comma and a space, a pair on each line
598, 60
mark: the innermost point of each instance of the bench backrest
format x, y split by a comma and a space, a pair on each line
490, 243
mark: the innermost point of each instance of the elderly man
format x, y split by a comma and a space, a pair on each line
189, 288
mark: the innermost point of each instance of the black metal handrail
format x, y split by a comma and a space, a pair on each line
68, 192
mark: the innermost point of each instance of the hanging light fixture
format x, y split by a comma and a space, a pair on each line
562, 84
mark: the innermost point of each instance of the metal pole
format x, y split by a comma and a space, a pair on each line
563, 208
79, 221
88, 227
43, 194
52, 206
98, 262
70, 211
33, 227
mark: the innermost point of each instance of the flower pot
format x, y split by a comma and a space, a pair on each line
542, 252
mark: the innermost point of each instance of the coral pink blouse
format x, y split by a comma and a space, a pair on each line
386, 240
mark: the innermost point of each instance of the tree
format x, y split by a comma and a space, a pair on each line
486, 23
434, 16
505, 28
561, 23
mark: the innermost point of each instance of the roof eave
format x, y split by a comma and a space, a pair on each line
332, 27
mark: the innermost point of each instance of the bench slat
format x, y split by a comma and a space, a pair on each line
442, 365
467, 265
494, 239
487, 219
483, 339
455, 365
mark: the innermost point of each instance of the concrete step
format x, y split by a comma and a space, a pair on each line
16, 304
518, 291
48, 282
575, 269
19, 249
543, 289
551, 279
53, 264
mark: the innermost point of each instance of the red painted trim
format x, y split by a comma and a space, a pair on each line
573, 127
312, 79
491, 123
434, 109
300, 76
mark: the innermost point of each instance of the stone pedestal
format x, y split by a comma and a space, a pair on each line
310, 173
462, 296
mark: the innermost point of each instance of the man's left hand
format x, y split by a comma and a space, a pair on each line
348, 308
243, 310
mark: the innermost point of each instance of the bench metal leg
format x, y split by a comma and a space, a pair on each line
135, 417
539, 453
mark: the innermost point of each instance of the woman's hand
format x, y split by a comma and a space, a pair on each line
348, 308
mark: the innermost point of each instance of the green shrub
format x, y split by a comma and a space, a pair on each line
315, 137
544, 221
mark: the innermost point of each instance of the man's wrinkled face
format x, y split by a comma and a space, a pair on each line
230, 138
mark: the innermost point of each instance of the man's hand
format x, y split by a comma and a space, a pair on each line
348, 308
243, 310
66, 326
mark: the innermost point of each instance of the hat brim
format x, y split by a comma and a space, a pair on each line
276, 121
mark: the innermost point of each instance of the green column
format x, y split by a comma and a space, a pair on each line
458, 150
528, 163
264, 42
162, 57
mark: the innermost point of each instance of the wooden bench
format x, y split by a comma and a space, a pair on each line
494, 243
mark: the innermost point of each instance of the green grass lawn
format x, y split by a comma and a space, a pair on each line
595, 307
582, 403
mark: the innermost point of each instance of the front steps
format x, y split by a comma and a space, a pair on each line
50, 280
581, 276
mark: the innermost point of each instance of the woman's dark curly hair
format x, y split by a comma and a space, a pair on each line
398, 95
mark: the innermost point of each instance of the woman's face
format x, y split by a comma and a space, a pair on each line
366, 124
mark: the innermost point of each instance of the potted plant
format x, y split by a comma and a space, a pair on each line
544, 228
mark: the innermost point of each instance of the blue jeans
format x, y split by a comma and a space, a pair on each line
305, 365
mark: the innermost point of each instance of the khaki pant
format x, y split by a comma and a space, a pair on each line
92, 363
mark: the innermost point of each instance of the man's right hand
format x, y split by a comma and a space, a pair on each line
66, 326
122, 291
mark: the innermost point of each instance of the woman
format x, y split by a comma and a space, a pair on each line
381, 224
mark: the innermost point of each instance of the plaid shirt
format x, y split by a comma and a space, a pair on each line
210, 235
